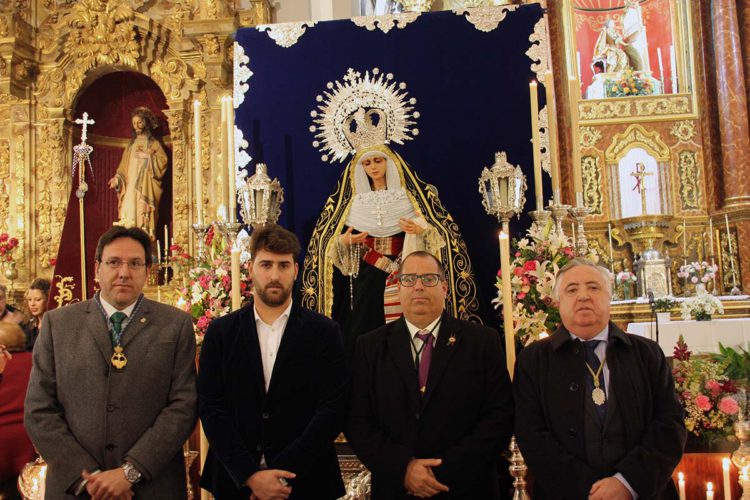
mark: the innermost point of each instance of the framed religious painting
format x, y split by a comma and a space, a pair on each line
630, 48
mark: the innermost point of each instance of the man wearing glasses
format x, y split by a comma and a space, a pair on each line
431, 407
112, 397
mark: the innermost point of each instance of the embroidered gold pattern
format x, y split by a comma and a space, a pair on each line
486, 18
286, 34
689, 175
386, 23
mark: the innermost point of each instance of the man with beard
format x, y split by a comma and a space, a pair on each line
272, 387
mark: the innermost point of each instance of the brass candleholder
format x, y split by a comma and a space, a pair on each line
518, 470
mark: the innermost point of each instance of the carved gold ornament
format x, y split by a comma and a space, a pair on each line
635, 107
4, 27
102, 33
65, 286
386, 23
241, 74
683, 131
592, 184
539, 49
636, 136
689, 175
286, 34
52, 86
486, 18
589, 137
357, 98
170, 76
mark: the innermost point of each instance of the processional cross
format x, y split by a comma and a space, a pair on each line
85, 122
81, 156
640, 186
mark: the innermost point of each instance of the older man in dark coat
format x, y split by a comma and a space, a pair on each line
596, 412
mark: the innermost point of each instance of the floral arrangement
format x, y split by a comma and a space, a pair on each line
709, 397
664, 304
698, 272
628, 84
536, 261
206, 292
625, 278
702, 306
7, 245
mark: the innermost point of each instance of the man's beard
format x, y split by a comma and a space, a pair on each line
273, 300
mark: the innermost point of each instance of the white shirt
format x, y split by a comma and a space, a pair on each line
416, 342
110, 310
600, 352
269, 338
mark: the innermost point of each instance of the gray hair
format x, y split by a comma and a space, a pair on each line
580, 261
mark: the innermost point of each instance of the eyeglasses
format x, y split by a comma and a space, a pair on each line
430, 279
135, 265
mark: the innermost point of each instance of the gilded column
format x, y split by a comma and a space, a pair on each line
732, 102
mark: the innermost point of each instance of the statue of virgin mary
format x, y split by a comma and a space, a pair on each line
380, 212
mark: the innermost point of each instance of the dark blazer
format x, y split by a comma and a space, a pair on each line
293, 425
82, 413
464, 418
549, 393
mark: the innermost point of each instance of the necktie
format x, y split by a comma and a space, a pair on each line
425, 359
117, 318
595, 364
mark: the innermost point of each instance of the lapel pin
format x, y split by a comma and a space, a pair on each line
451, 340
143, 320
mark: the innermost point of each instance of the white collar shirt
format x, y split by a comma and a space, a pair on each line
416, 343
269, 338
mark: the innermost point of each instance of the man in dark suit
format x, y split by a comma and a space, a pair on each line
272, 388
431, 406
596, 411
112, 394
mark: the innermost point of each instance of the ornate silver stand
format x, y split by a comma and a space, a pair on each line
558, 214
540, 218
518, 470
200, 231
580, 214
741, 456
230, 230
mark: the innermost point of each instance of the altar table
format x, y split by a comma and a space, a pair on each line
700, 336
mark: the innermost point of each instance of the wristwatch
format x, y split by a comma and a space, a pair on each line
131, 473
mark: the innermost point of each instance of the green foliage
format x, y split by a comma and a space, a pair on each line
737, 362
664, 304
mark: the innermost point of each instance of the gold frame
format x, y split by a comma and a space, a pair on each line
659, 108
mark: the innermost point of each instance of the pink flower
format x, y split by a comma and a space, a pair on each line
728, 405
521, 295
530, 266
204, 281
714, 387
694, 279
203, 323
518, 254
703, 403
518, 271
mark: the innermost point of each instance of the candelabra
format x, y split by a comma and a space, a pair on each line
741, 456
502, 187
540, 218
229, 231
200, 231
579, 214
518, 471
559, 211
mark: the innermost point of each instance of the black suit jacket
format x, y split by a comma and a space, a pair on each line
549, 393
293, 425
464, 418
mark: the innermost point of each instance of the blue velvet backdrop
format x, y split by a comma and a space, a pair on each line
472, 93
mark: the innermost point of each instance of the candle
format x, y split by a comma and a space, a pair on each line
672, 67
710, 491
711, 238
661, 66
578, 63
549, 88
609, 230
236, 302
510, 340
538, 190
729, 249
166, 238
198, 164
224, 180
158, 251
725, 470
231, 165
681, 484
573, 88
684, 238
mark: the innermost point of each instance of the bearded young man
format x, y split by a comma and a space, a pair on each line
272, 388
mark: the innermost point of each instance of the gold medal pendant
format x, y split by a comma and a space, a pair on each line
118, 358
598, 396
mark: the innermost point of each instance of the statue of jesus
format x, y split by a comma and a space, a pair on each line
139, 176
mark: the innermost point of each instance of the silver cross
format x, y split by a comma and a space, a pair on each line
85, 122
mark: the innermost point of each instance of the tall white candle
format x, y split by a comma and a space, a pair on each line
158, 251
224, 149
510, 334
574, 92
549, 88
673, 68
661, 65
727, 487
166, 238
578, 63
710, 491
681, 484
711, 237
609, 232
198, 164
236, 299
536, 141
232, 167
684, 238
